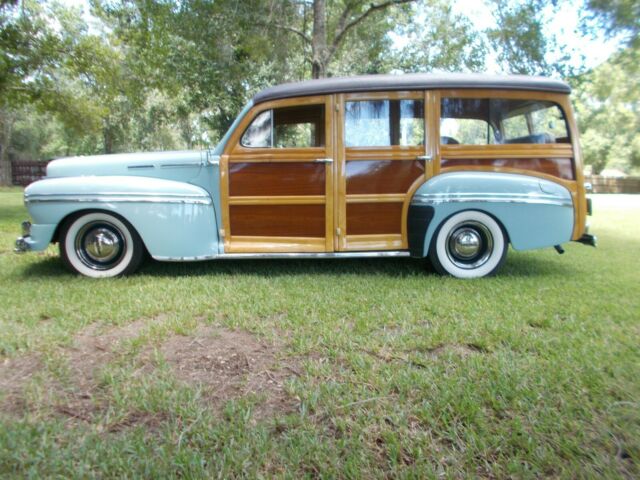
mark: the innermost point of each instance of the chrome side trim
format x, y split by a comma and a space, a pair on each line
138, 167
538, 199
119, 198
257, 256
183, 164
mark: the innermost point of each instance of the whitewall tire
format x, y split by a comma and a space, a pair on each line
99, 245
468, 244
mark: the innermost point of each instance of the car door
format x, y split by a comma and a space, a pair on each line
277, 182
383, 155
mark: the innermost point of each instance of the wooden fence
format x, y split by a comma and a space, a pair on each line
613, 185
24, 172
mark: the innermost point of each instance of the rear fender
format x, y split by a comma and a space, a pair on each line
534, 212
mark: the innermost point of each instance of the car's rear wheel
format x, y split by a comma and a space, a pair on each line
469, 244
99, 245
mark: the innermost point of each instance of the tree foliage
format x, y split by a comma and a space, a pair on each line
608, 105
163, 74
617, 17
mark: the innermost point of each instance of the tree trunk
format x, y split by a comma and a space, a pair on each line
5, 140
319, 40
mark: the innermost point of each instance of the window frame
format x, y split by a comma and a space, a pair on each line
499, 127
235, 146
513, 150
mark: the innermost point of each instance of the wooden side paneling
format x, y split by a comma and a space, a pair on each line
374, 218
556, 167
276, 179
278, 220
380, 177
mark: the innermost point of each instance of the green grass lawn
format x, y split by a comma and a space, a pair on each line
377, 368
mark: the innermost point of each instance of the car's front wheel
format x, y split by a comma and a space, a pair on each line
99, 245
469, 244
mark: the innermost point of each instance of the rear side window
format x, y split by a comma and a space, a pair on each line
486, 121
290, 127
383, 123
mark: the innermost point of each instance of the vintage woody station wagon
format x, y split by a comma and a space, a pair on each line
450, 167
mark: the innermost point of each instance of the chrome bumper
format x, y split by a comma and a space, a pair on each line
22, 245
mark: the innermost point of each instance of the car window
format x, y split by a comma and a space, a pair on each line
288, 127
476, 121
382, 123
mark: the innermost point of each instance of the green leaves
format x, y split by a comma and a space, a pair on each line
607, 101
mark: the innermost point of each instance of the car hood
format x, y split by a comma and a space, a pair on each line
139, 164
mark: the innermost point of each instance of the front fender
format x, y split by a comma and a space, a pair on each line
535, 212
174, 219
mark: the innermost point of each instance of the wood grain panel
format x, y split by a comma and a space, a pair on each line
276, 179
535, 150
557, 167
278, 220
374, 218
379, 177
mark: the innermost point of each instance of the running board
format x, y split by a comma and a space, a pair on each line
393, 253
283, 255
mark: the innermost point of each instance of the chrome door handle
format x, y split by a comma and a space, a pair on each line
426, 158
324, 160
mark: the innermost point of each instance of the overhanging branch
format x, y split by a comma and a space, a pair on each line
344, 27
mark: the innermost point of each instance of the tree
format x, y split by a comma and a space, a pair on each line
45, 51
521, 40
617, 17
607, 101
329, 34
438, 39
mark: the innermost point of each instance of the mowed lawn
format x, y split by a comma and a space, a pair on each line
330, 369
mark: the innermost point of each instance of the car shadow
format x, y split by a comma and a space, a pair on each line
517, 265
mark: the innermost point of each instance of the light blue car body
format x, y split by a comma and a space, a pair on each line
534, 212
172, 199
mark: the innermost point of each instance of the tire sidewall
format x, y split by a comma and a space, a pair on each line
76, 264
439, 247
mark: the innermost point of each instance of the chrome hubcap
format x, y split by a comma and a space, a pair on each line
100, 245
466, 243
469, 245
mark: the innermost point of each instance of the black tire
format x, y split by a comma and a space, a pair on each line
100, 245
469, 244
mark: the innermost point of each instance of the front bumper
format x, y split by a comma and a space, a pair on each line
23, 243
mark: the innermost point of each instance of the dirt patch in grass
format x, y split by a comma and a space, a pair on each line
15, 373
232, 364
69, 380
224, 364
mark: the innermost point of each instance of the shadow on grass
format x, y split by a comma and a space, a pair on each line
517, 265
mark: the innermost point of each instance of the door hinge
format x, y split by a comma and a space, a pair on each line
338, 231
